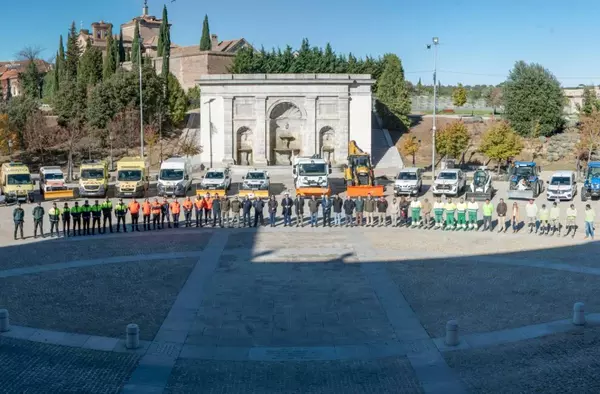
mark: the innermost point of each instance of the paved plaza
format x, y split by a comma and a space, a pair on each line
307, 310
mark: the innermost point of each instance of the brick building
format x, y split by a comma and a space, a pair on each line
10, 72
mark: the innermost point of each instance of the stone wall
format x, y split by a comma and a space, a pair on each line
190, 66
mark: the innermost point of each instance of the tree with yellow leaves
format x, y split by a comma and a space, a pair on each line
410, 147
459, 96
452, 140
590, 133
500, 142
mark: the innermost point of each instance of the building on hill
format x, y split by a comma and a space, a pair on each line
10, 72
187, 63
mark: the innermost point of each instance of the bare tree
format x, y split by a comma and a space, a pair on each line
30, 53
38, 135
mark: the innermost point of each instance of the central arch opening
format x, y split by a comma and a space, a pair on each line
285, 128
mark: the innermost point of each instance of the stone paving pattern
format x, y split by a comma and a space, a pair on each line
29, 367
486, 297
562, 363
388, 375
99, 300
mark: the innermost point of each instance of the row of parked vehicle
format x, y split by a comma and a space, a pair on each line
524, 183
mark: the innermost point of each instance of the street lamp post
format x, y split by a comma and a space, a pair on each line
110, 140
435, 41
210, 130
10, 145
141, 99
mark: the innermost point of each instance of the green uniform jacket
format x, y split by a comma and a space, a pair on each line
359, 205
96, 210
76, 212
54, 214
120, 209
38, 213
18, 215
86, 211
106, 207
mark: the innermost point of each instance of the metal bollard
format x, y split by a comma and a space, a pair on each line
452, 333
578, 314
132, 340
4, 321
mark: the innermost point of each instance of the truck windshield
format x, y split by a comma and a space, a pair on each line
214, 175
361, 161
92, 174
129, 175
560, 181
593, 172
18, 179
522, 171
171, 174
447, 175
53, 177
311, 169
407, 176
255, 175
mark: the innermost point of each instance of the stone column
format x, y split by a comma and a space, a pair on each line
309, 137
259, 150
228, 130
342, 133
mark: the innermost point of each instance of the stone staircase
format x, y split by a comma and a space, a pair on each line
383, 152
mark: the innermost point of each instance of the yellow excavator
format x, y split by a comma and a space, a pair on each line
359, 175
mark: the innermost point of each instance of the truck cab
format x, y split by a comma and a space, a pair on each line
408, 182
175, 177
132, 177
562, 186
450, 182
93, 178
311, 176
16, 183
591, 185
215, 181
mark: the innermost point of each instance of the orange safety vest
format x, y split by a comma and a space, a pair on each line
146, 208
156, 208
208, 203
134, 207
187, 205
199, 204
175, 208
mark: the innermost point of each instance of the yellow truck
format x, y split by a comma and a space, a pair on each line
133, 175
93, 178
15, 183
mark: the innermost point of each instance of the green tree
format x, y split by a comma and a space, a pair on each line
459, 96
205, 41
60, 58
193, 97
48, 86
533, 95
590, 101
452, 140
72, 56
110, 61
493, 97
56, 73
243, 62
19, 109
31, 81
136, 46
164, 46
393, 103
163, 33
500, 142
121, 48
90, 65
419, 87
177, 100
302, 58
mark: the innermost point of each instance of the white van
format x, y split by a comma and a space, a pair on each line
562, 185
175, 177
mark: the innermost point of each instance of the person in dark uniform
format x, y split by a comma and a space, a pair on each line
259, 205
86, 213
66, 220
38, 220
76, 213
96, 214
107, 213
246, 208
18, 218
164, 213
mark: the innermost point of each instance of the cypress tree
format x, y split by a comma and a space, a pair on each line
205, 41
110, 62
163, 33
135, 45
60, 58
115, 49
394, 101
90, 66
72, 55
57, 71
121, 48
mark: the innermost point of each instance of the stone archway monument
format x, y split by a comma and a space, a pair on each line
288, 115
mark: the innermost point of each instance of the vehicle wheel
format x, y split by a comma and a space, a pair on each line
583, 194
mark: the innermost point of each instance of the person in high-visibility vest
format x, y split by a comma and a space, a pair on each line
438, 213
199, 207
175, 209
571, 220
188, 205
415, 212
146, 210
134, 210
86, 213
208, 204
544, 218
107, 209
488, 209
473, 209
555, 218
66, 220
96, 213
120, 211
54, 215
76, 213
449, 210
156, 214
461, 214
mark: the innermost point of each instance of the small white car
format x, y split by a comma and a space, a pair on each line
409, 182
562, 185
216, 179
450, 182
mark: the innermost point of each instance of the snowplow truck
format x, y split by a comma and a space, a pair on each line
524, 181
359, 175
311, 176
591, 185
52, 184
481, 188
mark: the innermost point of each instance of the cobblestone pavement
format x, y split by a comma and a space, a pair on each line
389, 375
29, 367
561, 363
365, 302
98, 300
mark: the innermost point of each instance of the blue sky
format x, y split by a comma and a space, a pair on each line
479, 40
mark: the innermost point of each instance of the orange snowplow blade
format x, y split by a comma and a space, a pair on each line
313, 191
57, 194
212, 192
364, 191
254, 193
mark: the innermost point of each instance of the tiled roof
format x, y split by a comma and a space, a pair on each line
12, 69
